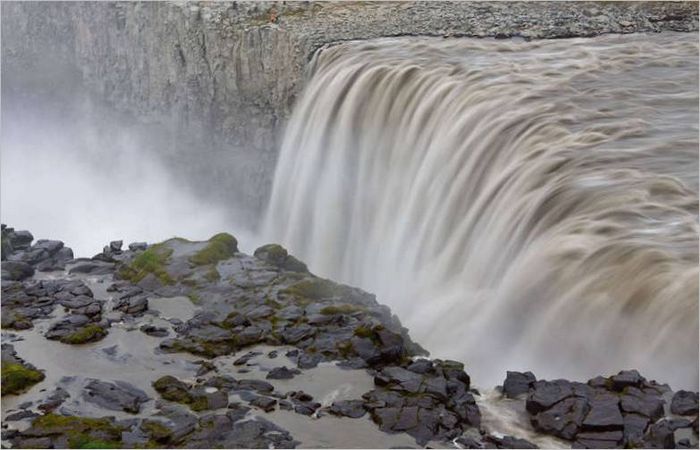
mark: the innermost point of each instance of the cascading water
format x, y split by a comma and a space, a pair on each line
520, 205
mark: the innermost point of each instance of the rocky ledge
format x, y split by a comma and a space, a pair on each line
196, 344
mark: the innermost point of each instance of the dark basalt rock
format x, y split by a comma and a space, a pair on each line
684, 403
282, 373
348, 408
16, 270
599, 439
54, 400
92, 268
546, 394
644, 403
117, 396
267, 404
155, 331
517, 383
564, 419
626, 378
508, 442
604, 414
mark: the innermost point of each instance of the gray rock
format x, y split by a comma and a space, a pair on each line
546, 393
138, 246
644, 403
348, 408
599, 439
563, 419
116, 246
20, 240
16, 270
626, 378
517, 383
117, 396
684, 403
635, 426
93, 268
282, 373
604, 414
267, 404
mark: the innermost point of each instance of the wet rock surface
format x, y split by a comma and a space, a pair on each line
624, 410
231, 350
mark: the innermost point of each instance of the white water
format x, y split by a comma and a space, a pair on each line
519, 205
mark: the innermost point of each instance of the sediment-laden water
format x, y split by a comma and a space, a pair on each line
520, 205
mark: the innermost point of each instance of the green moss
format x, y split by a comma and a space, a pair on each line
150, 261
156, 430
220, 247
82, 432
367, 332
272, 253
199, 404
340, 309
88, 333
272, 304
189, 282
17, 378
212, 275
194, 298
314, 289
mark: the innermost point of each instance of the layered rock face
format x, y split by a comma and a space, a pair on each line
222, 77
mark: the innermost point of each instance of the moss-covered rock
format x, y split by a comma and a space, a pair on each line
81, 432
151, 261
170, 388
88, 333
219, 247
17, 378
313, 288
156, 431
342, 308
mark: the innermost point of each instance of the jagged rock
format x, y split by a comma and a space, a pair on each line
604, 414
684, 403
54, 400
93, 268
16, 270
598, 439
635, 426
563, 419
138, 246
155, 331
545, 394
626, 378
20, 240
508, 442
637, 401
117, 396
116, 246
517, 383
267, 404
659, 435
245, 358
348, 408
282, 373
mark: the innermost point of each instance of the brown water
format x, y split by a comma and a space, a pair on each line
520, 205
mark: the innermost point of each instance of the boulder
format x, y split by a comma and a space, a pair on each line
684, 403
117, 396
348, 408
16, 270
563, 419
604, 414
138, 246
626, 378
282, 373
517, 383
647, 404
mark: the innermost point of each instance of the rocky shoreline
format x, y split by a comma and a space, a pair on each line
195, 344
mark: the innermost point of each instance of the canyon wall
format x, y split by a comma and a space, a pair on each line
222, 78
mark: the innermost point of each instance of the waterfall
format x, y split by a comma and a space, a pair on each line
519, 205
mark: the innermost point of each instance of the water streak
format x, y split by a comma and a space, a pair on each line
520, 205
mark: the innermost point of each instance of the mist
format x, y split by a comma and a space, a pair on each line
74, 170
